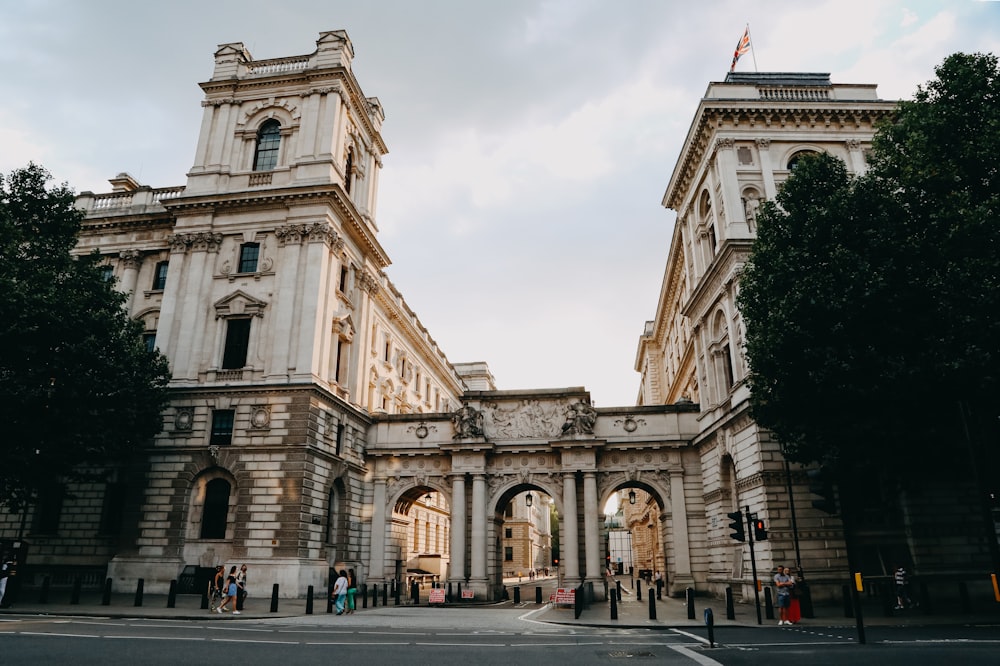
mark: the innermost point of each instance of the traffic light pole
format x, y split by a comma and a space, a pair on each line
753, 563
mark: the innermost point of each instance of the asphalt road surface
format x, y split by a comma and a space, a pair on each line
455, 636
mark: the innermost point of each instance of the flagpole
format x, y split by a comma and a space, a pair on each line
752, 54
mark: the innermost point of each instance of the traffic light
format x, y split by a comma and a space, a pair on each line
821, 484
759, 531
736, 526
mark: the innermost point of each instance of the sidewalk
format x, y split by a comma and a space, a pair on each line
673, 613
670, 612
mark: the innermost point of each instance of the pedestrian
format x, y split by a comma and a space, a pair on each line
231, 592
352, 589
784, 583
241, 587
658, 577
339, 592
216, 586
902, 584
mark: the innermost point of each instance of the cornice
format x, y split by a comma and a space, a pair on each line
706, 291
762, 115
354, 226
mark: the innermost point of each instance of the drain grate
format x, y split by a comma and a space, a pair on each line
631, 654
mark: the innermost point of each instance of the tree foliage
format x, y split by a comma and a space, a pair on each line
872, 303
78, 388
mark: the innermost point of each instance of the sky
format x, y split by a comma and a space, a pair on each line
530, 142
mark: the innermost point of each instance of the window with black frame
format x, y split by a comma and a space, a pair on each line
268, 142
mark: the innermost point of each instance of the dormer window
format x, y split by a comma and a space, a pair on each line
268, 141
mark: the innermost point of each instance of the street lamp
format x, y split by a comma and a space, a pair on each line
631, 497
528, 499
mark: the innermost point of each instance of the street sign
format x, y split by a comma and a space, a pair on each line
436, 596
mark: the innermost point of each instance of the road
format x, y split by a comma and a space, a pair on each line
485, 636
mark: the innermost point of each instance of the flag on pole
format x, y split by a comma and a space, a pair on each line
741, 47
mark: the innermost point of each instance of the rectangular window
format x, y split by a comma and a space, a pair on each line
48, 509
222, 427
149, 340
343, 280
508, 554
249, 253
160, 276
508, 533
237, 344
107, 273
340, 438
113, 510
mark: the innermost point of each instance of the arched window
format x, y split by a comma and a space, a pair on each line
793, 161
216, 509
348, 170
268, 141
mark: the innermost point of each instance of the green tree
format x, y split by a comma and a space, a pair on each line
78, 388
872, 304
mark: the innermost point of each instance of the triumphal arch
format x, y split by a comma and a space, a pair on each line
502, 443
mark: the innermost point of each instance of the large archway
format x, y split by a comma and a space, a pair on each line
500, 447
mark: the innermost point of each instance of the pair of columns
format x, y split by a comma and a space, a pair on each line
570, 523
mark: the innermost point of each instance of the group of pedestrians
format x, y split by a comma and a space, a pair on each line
231, 589
344, 589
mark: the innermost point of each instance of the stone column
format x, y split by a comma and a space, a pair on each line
457, 573
858, 163
591, 530
571, 546
682, 577
478, 536
766, 168
193, 315
376, 567
131, 260
165, 341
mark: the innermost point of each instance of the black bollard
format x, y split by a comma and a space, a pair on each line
43, 594
138, 592
397, 590
538, 594
710, 624
517, 594
364, 595
106, 596
74, 598
652, 604
172, 595
448, 597
805, 600
614, 606
638, 592
204, 598
925, 598
848, 606
274, 598
618, 590
768, 604
730, 608
385, 594
309, 600
415, 593
659, 590
329, 598
690, 602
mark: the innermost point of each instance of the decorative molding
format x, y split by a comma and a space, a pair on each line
195, 242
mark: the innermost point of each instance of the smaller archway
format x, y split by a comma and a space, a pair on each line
636, 548
526, 539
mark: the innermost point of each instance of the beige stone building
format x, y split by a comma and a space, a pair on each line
314, 422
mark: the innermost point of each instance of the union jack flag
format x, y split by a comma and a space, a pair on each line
741, 47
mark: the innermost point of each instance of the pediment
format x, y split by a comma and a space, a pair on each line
239, 303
